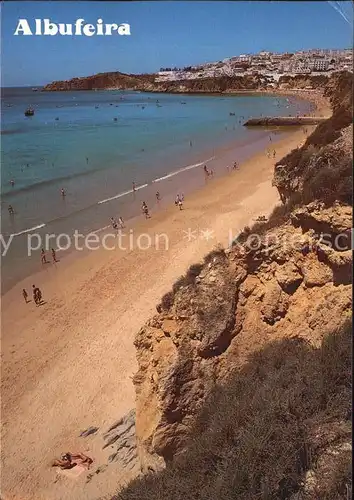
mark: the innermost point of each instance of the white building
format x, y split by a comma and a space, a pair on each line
319, 64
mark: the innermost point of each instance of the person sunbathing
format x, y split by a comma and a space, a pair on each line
68, 460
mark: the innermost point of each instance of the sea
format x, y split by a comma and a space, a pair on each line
95, 144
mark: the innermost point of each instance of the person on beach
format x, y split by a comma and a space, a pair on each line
158, 197
274, 153
190, 144
180, 202
177, 200
37, 295
12, 182
114, 223
145, 210
235, 166
86, 160
43, 257
62, 192
25, 295
67, 461
206, 172
121, 222
134, 187
11, 210
54, 256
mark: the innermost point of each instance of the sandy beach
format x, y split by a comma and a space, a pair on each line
67, 364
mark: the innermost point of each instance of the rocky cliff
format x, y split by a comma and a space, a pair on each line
283, 280
148, 83
102, 81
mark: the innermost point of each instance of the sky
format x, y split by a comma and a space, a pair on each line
174, 33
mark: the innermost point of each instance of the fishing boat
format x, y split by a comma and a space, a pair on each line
29, 112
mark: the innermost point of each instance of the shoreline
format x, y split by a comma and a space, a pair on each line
77, 350
70, 363
18, 265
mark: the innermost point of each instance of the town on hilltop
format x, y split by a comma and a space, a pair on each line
314, 61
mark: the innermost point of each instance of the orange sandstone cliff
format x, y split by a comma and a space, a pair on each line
286, 281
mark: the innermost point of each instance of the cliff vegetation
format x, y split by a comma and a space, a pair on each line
244, 380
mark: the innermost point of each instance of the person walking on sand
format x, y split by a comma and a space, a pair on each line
180, 202
158, 197
37, 295
114, 223
62, 192
274, 153
145, 210
134, 187
25, 295
54, 256
43, 257
121, 222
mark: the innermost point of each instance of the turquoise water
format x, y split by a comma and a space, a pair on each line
95, 144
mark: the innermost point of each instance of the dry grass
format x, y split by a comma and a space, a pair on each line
254, 437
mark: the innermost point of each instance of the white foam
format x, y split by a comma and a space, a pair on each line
189, 167
167, 176
122, 194
100, 229
29, 230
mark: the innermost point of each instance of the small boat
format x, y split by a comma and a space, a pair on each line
29, 112
34, 90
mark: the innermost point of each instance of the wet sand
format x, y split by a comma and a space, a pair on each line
67, 364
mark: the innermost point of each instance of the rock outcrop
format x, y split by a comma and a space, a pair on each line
113, 79
149, 83
290, 285
286, 278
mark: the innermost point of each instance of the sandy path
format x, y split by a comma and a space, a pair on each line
68, 364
